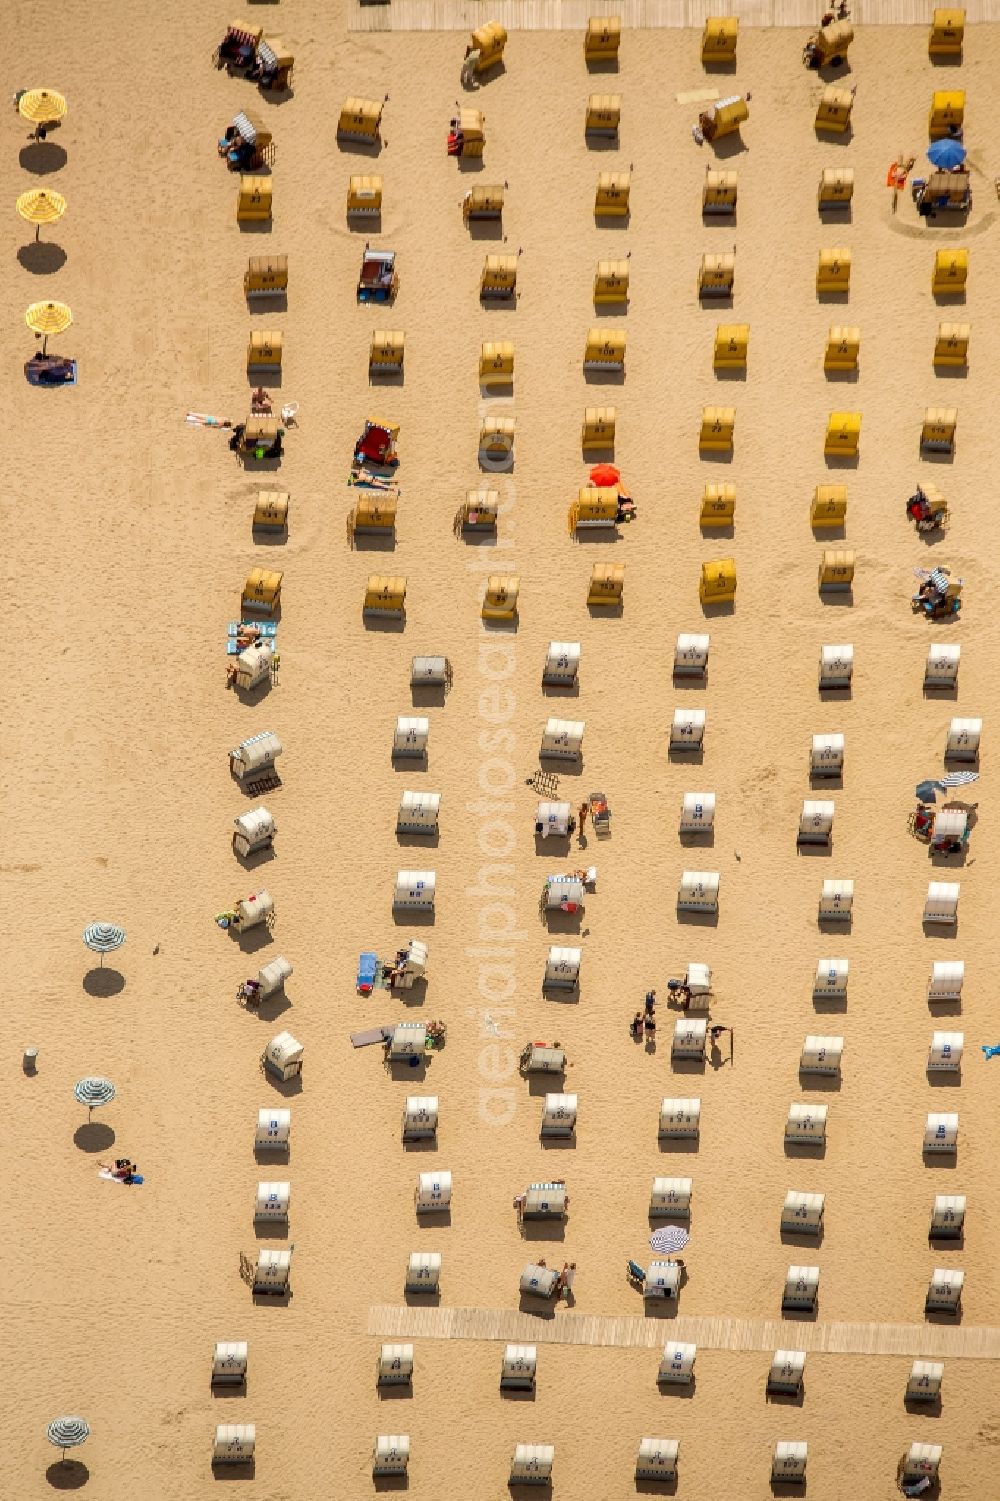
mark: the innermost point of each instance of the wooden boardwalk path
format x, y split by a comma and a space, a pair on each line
572, 15
923, 1341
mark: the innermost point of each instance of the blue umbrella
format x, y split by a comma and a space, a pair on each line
946, 153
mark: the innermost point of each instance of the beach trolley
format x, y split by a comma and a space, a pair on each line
717, 584
478, 512
657, 1459
385, 354
611, 287
680, 1120
253, 200
274, 1131
833, 272
836, 665
539, 1058
802, 1213
924, 1381
500, 597
360, 120
801, 1288
496, 363
409, 738
531, 1464
488, 43
253, 833
945, 1052
830, 982
612, 195
385, 597
418, 813
950, 274
483, 203
538, 1281
941, 903
786, 1373
677, 1364
391, 1454
432, 1194
261, 592
499, 278
423, 1272
944, 1291
948, 1217
364, 197
272, 1202
282, 1057
394, 1366
269, 1275
607, 585
951, 347
496, 443
605, 351
407, 1040
518, 1368
829, 507
806, 1125
833, 114
414, 890
691, 655
788, 1462
420, 1117
545, 1201
937, 435
604, 112
266, 276
689, 1037
256, 757
234, 1444
826, 758
963, 740
947, 114
828, 47
662, 1280
843, 347
229, 1363
554, 818
947, 33
717, 275
670, 1198
698, 891
843, 433
718, 193
602, 39
836, 901
731, 343
264, 353
941, 1133
270, 514
836, 188
717, 424
718, 40
687, 731
724, 117
377, 279
946, 980
562, 740
562, 664
559, 1115
251, 911
836, 570
821, 1055
254, 666
373, 516
697, 813
562, 968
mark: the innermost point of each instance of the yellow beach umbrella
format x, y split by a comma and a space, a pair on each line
44, 318
41, 105
41, 206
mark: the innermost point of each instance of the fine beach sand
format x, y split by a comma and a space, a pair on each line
126, 540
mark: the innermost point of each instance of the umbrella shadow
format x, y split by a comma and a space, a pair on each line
42, 157
94, 1137
102, 981
41, 257
67, 1474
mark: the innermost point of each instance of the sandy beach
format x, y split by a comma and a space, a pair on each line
127, 541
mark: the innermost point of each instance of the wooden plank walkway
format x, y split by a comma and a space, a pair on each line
923, 1341
572, 15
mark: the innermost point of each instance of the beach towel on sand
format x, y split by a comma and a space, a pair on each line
136, 1178
373, 1034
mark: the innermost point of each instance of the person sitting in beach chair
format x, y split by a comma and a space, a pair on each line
939, 595
377, 445
238, 46
925, 513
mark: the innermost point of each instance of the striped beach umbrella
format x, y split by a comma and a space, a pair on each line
669, 1238
103, 938
959, 778
41, 106
94, 1092
41, 206
44, 318
68, 1433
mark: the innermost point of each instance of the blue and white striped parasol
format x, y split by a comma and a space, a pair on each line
94, 1091
103, 938
669, 1238
959, 778
68, 1433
